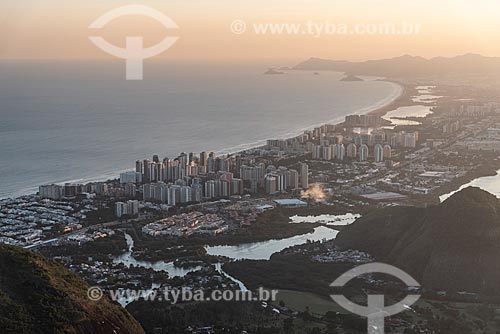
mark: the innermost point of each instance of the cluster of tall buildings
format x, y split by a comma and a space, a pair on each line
181, 192
452, 127
474, 110
328, 142
129, 208
282, 179
187, 178
185, 165
362, 152
394, 139
330, 152
69, 190
192, 178
363, 121
272, 179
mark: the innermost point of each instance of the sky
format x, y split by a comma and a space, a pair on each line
212, 30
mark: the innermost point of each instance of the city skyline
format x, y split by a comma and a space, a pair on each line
257, 167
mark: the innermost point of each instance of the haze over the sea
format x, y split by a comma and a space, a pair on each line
82, 121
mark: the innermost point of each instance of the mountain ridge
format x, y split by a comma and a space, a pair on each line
409, 66
454, 246
38, 295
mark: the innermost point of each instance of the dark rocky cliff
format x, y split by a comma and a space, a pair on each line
40, 296
454, 246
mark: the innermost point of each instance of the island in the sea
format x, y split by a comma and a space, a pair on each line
351, 77
273, 71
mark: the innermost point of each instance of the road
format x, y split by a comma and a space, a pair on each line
82, 230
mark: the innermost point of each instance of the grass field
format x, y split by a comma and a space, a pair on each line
298, 301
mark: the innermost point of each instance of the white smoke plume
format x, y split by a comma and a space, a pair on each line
315, 192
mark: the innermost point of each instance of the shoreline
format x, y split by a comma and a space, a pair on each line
403, 100
391, 103
391, 100
455, 185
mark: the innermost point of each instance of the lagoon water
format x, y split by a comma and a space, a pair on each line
263, 250
490, 184
339, 220
82, 121
407, 111
127, 259
254, 251
419, 110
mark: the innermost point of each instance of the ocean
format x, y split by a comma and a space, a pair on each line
81, 121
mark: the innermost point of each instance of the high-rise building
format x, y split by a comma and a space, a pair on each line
193, 157
327, 153
339, 152
316, 152
339, 139
236, 186
410, 140
130, 190
294, 179
71, 189
224, 164
174, 195
387, 152
378, 153
130, 177
253, 176
197, 193
271, 184
211, 164
283, 178
378, 137
225, 188
100, 188
225, 176
203, 158
133, 207
146, 168
186, 194
304, 175
210, 189
352, 151
363, 152
51, 191
191, 169
183, 159
138, 166
392, 139
120, 209
130, 208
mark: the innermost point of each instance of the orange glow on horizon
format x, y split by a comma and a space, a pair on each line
58, 29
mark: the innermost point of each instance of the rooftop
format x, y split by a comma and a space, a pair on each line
290, 202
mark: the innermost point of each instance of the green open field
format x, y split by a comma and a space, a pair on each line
298, 301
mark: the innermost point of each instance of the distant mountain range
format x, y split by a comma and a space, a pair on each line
454, 246
38, 295
410, 66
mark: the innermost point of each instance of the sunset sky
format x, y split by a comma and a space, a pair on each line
58, 29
